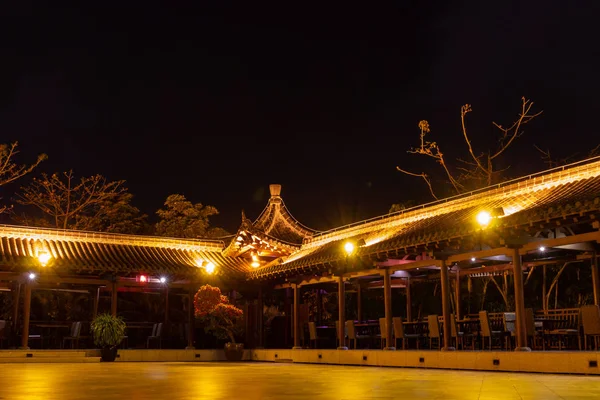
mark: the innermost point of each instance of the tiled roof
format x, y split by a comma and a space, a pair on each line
89, 252
560, 193
277, 222
572, 191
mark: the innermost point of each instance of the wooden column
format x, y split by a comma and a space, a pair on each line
16, 300
408, 301
297, 317
113, 299
521, 333
96, 302
544, 289
26, 315
446, 307
387, 296
595, 278
341, 314
288, 320
191, 321
260, 317
457, 294
359, 310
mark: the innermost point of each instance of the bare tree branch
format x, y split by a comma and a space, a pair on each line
422, 175
510, 134
481, 168
464, 110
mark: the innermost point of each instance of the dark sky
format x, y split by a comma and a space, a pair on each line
216, 101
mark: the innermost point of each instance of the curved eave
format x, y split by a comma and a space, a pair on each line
129, 255
578, 201
277, 214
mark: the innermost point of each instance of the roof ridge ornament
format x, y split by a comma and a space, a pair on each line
246, 222
275, 190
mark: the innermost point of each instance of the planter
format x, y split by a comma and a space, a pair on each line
109, 354
234, 351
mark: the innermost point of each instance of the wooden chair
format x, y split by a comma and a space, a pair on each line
312, 335
4, 332
509, 323
590, 317
351, 333
156, 335
565, 327
488, 333
433, 324
399, 333
456, 334
532, 333
74, 336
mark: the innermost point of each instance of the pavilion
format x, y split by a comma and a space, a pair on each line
536, 220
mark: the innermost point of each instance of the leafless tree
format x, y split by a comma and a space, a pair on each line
480, 167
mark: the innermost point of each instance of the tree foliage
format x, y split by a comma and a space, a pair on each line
480, 168
181, 218
90, 203
10, 171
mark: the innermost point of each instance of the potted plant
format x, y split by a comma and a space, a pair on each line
220, 318
108, 331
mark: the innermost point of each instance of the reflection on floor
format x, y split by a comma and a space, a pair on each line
176, 381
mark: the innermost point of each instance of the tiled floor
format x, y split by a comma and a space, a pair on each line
176, 381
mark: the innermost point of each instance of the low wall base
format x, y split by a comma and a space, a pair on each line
565, 362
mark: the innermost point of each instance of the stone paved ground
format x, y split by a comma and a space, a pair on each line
175, 381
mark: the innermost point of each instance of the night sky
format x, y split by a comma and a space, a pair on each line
218, 101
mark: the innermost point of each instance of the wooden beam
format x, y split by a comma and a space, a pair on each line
501, 251
417, 264
563, 241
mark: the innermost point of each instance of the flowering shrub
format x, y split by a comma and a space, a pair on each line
206, 299
220, 318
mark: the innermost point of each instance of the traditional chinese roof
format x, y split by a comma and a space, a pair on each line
277, 222
530, 203
274, 234
561, 201
123, 255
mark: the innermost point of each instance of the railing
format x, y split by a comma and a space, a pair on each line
585, 162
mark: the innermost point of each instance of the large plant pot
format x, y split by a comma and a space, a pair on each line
234, 351
109, 354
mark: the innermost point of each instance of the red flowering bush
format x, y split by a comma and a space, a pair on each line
206, 299
220, 318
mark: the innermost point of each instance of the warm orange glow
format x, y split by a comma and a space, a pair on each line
484, 218
143, 278
44, 258
349, 248
255, 264
209, 268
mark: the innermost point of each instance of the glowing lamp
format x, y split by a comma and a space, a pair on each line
542, 248
209, 268
142, 278
255, 264
484, 218
32, 276
163, 279
43, 258
472, 259
349, 248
